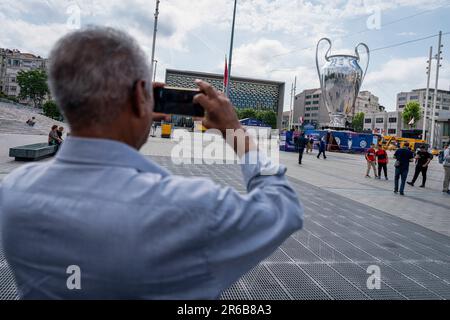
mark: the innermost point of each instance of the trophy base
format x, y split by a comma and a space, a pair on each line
338, 121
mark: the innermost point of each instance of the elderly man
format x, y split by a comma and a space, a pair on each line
120, 226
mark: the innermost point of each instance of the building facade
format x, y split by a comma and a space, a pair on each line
367, 103
392, 124
244, 92
442, 111
386, 123
13, 61
310, 106
286, 119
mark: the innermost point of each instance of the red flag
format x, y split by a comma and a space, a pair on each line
225, 75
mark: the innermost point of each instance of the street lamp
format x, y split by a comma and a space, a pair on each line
155, 62
155, 31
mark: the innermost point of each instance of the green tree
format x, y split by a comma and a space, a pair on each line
246, 113
33, 85
412, 112
51, 110
358, 122
269, 117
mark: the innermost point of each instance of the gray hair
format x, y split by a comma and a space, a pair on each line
92, 74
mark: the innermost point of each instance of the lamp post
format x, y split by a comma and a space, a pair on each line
155, 31
425, 117
436, 91
154, 70
231, 50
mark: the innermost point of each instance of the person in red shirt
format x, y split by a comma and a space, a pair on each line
371, 161
383, 161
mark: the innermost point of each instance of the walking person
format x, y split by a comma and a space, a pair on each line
301, 144
423, 159
383, 161
322, 149
404, 157
446, 170
371, 159
310, 145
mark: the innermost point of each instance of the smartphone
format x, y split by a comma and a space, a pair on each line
177, 101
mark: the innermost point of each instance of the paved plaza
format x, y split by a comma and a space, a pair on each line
351, 223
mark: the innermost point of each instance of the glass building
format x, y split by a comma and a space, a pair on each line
244, 92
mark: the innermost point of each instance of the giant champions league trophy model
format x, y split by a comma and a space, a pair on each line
341, 78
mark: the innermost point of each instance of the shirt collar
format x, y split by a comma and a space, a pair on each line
107, 153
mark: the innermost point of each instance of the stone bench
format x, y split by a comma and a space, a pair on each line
33, 152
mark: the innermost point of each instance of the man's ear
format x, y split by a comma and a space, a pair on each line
140, 99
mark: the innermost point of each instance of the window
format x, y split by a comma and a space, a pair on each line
308, 97
402, 99
307, 115
401, 106
314, 115
392, 120
380, 120
445, 108
316, 102
316, 96
308, 109
13, 89
308, 103
368, 120
415, 98
315, 108
392, 131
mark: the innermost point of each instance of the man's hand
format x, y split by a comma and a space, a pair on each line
221, 115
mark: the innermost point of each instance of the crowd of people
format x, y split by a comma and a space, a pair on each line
378, 160
306, 143
404, 156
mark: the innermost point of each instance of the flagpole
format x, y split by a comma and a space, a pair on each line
225, 76
155, 31
231, 50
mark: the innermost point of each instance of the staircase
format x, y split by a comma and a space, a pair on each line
13, 118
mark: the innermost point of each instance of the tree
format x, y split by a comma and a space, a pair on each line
33, 85
412, 112
358, 122
246, 113
51, 110
269, 117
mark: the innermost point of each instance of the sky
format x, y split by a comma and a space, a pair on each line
274, 39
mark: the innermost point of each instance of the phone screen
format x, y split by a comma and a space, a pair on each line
176, 101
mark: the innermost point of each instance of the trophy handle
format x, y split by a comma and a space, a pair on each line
359, 58
326, 57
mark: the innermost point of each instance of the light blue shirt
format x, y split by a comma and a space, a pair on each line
134, 230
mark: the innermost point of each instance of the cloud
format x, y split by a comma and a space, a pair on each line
266, 31
407, 34
397, 75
